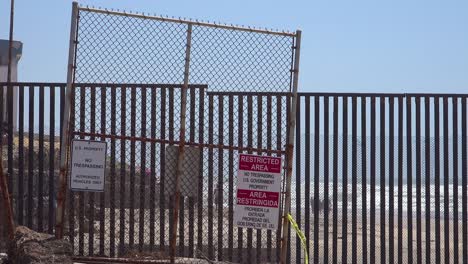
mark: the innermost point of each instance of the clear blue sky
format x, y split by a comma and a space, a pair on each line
358, 46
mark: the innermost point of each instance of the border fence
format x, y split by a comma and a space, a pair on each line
377, 178
199, 87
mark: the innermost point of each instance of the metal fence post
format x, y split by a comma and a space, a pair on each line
180, 158
62, 186
290, 149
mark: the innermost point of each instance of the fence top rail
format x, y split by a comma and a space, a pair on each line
107, 85
411, 95
188, 21
23, 84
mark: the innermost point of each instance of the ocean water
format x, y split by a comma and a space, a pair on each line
404, 199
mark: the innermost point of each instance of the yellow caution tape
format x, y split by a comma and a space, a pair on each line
301, 236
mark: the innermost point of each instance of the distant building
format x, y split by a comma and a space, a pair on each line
17, 51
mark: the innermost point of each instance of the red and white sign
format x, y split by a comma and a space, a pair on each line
258, 192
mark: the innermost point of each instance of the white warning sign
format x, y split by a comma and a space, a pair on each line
258, 192
88, 165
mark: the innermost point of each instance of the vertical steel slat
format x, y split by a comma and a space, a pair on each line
102, 205
191, 199
142, 210
40, 191
446, 183
427, 135
418, 181
372, 181
400, 180
153, 200
409, 176
464, 181
288, 118
81, 196
354, 180
2, 107
335, 180
201, 125
279, 143
344, 256
171, 139
307, 172
391, 180
181, 216
259, 146
316, 176
51, 210
455, 177
279, 136
162, 192
71, 195
249, 145
219, 186
62, 106
210, 177
326, 174
240, 143
90, 213
298, 175
231, 179
123, 172
364, 177
437, 177
20, 210
113, 119
382, 180
10, 101
132, 167
269, 146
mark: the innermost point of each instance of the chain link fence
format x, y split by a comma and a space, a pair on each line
138, 74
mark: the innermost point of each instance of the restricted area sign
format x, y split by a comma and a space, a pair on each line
258, 192
88, 165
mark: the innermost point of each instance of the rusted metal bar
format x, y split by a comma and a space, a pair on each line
40, 198
219, 185
98, 260
65, 139
131, 229
363, 178
210, 178
153, 171
335, 183
172, 142
113, 175
231, 179
30, 207
290, 148
91, 197
141, 225
191, 202
382, 180
180, 159
240, 142
50, 225
20, 208
455, 178
102, 195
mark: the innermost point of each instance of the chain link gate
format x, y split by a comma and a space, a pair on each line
138, 82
